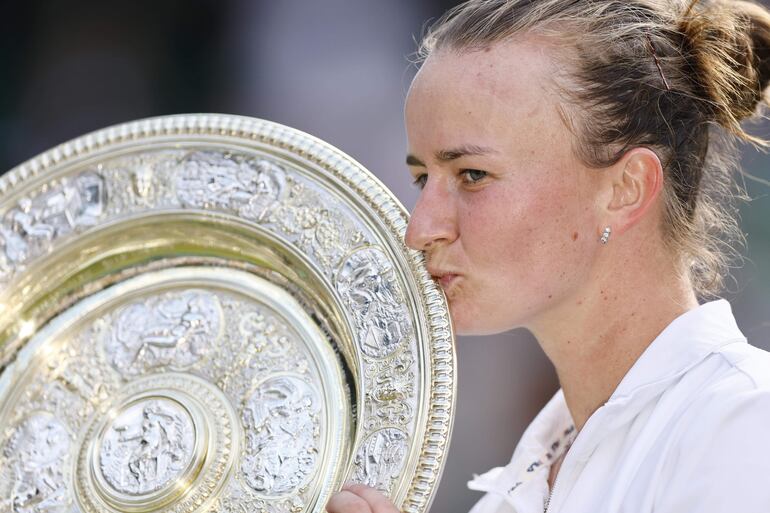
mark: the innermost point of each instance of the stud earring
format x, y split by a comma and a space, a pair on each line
606, 235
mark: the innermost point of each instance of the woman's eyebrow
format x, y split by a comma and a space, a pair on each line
451, 154
462, 151
411, 160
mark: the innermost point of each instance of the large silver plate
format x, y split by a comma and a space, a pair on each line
212, 313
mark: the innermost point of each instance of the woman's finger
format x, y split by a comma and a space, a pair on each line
374, 498
347, 502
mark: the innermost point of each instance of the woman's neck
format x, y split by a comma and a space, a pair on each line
594, 339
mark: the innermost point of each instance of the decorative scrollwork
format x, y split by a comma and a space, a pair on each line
390, 391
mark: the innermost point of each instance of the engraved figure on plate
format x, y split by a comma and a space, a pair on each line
282, 428
35, 457
367, 282
147, 445
381, 458
250, 188
176, 329
29, 229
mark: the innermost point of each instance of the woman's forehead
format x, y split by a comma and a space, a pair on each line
505, 86
513, 75
509, 66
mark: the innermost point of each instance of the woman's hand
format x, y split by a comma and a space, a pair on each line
359, 499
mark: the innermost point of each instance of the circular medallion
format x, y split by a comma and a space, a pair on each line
148, 444
165, 442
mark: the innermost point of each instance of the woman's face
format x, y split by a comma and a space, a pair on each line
508, 217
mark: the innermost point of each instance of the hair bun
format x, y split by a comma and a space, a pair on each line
729, 51
759, 31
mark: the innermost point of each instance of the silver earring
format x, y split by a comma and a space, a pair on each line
606, 235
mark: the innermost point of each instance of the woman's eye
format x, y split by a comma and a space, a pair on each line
473, 175
420, 181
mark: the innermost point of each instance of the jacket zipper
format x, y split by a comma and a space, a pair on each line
558, 475
550, 494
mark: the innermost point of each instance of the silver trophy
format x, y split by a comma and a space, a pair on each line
212, 313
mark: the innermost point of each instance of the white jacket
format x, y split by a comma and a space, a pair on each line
687, 430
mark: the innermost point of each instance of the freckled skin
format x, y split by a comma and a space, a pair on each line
511, 237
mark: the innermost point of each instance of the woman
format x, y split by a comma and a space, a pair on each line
574, 182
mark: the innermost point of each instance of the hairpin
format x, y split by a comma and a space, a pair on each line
657, 62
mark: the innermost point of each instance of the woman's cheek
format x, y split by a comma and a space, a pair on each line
496, 205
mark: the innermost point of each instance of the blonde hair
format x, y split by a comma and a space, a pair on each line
673, 75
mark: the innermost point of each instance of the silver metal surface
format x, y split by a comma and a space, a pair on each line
213, 313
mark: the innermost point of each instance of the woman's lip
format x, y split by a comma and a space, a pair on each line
446, 280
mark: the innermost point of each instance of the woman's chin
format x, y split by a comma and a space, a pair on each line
477, 325
469, 327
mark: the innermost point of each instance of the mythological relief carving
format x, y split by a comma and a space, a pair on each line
282, 430
381, 458
35, 457
58, 209
251, 188
368, 284
174, 445
146, 446
174, 330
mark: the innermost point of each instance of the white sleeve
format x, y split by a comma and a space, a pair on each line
722, 463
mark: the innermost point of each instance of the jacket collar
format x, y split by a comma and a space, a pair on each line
684, 343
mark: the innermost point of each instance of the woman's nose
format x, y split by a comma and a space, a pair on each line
433, 220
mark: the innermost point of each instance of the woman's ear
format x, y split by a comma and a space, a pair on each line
636, 181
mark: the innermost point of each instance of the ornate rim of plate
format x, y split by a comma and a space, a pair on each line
207, 312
